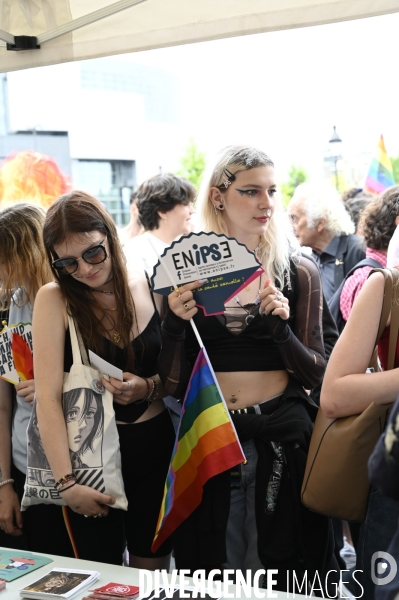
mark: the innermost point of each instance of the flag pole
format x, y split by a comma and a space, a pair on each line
174, 285
201, 343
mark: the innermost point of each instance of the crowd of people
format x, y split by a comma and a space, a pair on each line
273, 349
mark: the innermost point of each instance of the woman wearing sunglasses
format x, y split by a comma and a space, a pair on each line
119, 321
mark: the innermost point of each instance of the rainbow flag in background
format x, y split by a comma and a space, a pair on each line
206, 444
380, 174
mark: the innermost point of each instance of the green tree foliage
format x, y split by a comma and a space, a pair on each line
296, 176
192, 164
395, 167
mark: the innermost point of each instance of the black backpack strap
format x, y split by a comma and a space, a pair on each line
334, 302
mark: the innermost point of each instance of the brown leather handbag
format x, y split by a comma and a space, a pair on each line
336, 478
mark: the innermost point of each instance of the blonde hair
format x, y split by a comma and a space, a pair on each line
22, 251
274, 251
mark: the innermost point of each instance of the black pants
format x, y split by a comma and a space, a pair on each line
101, 540
146, 449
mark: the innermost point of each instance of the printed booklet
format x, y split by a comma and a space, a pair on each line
114, 591
15, 563
60, 583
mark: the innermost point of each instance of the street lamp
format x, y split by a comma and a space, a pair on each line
335, 151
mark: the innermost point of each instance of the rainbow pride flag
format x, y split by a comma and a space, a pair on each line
206, 444
380, 174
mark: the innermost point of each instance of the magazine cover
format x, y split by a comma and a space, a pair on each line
15, 563
60, 583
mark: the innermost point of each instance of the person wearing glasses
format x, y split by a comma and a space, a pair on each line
118, 319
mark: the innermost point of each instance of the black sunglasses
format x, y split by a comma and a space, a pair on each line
93, 256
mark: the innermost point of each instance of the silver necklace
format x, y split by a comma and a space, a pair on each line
250, 317
257, 248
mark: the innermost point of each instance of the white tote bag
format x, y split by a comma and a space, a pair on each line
92, 436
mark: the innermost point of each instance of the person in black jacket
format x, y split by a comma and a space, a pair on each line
321, 222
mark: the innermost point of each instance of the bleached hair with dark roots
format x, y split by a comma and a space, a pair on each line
274, 251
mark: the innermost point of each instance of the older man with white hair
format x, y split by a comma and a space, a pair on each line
321, 222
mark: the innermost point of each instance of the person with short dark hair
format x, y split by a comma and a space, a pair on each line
165, 207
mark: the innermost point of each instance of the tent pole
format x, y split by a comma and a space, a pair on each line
88, 19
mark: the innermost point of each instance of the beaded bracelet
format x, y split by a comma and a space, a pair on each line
66, 486
62, 480
6, 481
147, 393
151, 394
155, 388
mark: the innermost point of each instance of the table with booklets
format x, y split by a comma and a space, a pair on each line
108, 573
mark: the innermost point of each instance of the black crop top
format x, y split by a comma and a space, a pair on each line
267, 343
252, 350
146, 346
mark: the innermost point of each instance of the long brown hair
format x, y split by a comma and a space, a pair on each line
22, 252
78, 212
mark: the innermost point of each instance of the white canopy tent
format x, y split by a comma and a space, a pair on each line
68, 30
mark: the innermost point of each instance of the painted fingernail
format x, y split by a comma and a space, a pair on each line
267, 282
201, 281
257, 299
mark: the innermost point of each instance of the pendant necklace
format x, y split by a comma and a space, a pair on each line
115, 336
250, 317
